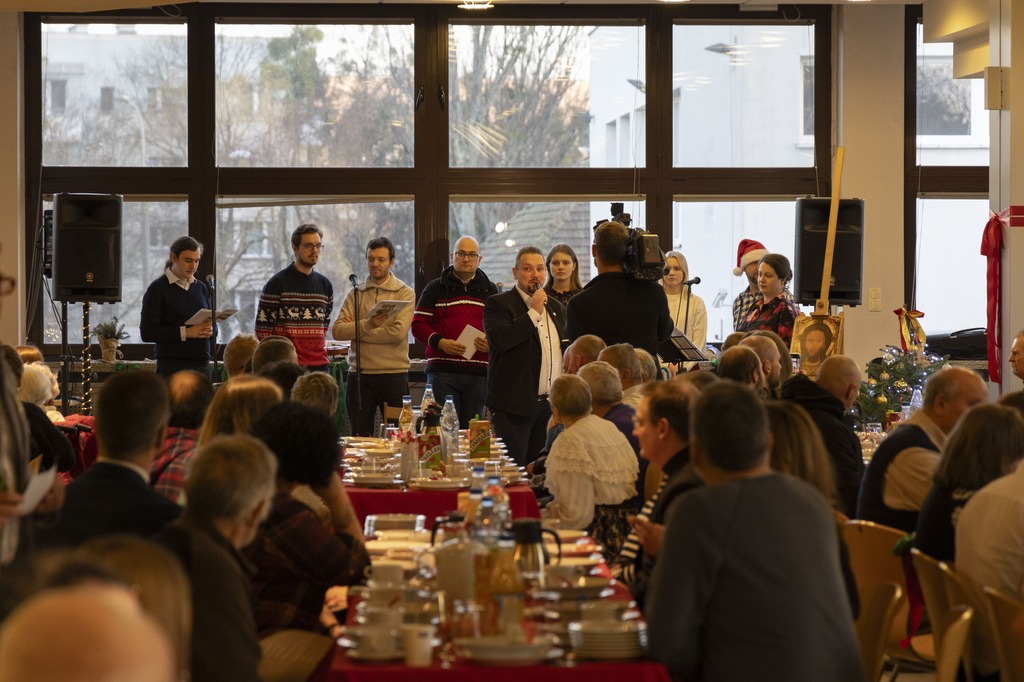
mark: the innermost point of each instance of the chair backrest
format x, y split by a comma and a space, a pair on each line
872, 561
879, 603
391, 414
956, 626
1003, 609
958, 594
933, 587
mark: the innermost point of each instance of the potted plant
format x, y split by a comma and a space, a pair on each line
110, 334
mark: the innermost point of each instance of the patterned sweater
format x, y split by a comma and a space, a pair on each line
298, 307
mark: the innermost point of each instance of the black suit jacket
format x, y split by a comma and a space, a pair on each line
513, 366
105, 500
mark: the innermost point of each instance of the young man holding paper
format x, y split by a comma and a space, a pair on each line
383, 352
449, 322
167, 307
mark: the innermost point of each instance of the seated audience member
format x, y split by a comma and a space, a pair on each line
742, 365
114, 495
700, 378
724, 603
229, 490
84, 633
273, 349
662, 425
47, 439
1014, 400
580, 352
786, 367
238, 354
318, 390
37, 387
733, 339
900, 473
159, 582
29, 353
284, 374
591, 469
798, 450
986, 444
236, 406
191, 393
648, 366
827, 400
771, 362
297, 557
606, 402
623, 358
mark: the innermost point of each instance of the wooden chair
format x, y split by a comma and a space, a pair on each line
872, 560
1003, 610
943, 595
879, 603
391, 415
956, 627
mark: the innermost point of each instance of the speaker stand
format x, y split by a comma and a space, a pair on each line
86, 360
65, 361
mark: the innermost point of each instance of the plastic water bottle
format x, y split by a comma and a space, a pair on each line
499, 497
428, 398
450, 425
476, 491
916, 401
405, 418
486, 527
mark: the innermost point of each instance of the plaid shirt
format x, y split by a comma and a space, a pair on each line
167, 474
297, 558
742, 305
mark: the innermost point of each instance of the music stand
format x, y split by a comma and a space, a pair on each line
678, 348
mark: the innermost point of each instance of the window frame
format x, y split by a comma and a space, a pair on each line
430, 181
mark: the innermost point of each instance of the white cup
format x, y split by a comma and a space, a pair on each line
385, 573
418, 645
388, 617
373, 640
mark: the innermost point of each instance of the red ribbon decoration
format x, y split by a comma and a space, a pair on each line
992, 249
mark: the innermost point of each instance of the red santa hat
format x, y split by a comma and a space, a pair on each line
749, 251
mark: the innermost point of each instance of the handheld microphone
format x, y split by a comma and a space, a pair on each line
500, 286
534, 288
691, 282
210, 281
354, 280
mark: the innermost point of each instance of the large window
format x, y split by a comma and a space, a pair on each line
314, 95
235, 122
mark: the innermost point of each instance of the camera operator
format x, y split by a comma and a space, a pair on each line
616, 306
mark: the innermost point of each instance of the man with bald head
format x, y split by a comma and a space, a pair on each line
91, 632
827, 401
899, 475
623, 358
446, 307
771, 361
580, 352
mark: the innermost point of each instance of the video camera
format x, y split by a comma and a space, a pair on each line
644, 259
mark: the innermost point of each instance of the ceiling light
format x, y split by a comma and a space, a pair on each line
475, 4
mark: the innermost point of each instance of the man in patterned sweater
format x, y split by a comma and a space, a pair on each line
297, 302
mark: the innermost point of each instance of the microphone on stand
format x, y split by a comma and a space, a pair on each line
353, 280
210, 281
691, 282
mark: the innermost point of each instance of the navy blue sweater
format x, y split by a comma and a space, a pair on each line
165, 307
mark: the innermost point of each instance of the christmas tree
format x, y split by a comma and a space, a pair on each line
892, 380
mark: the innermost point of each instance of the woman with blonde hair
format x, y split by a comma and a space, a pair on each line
237, 404
689, 314
158, 581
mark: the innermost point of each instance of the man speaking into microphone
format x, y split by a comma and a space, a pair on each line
170, 301
526, 335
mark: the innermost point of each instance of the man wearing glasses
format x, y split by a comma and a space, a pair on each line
447, 307
296, 302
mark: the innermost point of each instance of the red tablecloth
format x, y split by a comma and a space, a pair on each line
337, 667
430, 503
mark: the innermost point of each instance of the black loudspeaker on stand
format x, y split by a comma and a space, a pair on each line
87, 247
848, 261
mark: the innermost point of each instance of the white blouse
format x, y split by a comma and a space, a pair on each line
590, 463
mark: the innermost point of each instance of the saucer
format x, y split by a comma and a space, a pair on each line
367, 657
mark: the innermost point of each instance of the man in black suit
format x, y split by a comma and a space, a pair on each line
114, 496
525, 332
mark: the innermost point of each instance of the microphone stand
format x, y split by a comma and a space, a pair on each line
213, 324
686, 316
359, 360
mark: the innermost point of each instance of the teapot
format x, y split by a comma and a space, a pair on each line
447, 527
530, 553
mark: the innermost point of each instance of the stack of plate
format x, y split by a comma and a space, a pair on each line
617, 640
502, 651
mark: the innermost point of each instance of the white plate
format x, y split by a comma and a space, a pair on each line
513, 659
439, 483
383, 546
590, 560
357, 655
570, 534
